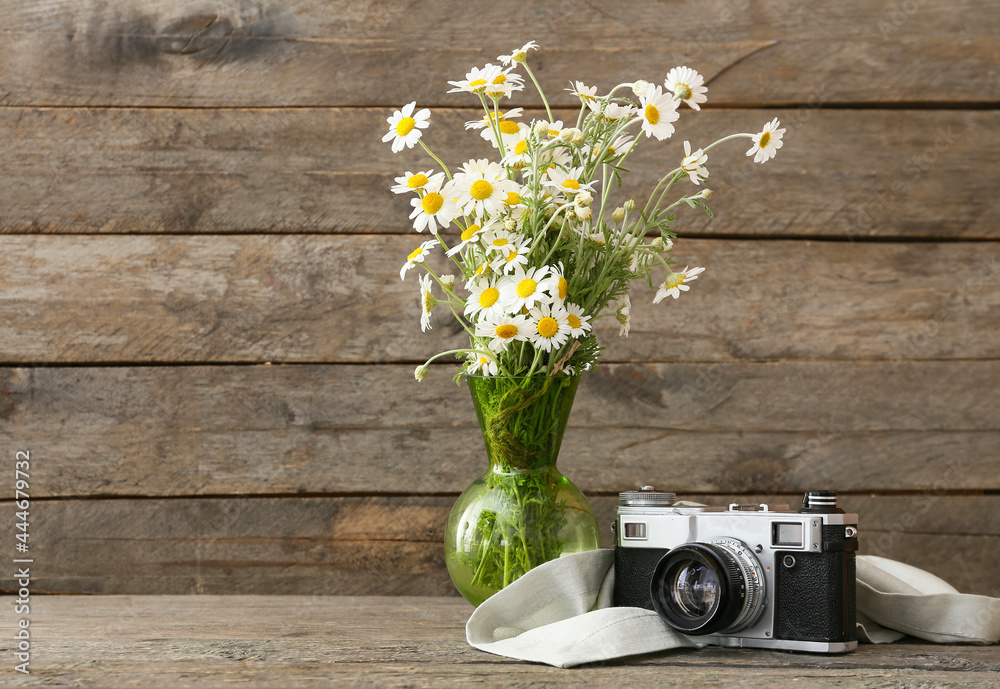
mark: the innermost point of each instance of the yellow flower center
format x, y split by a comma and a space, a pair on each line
563, 288
488, 297
481, 189
501, 79
571, 184
483, 361
548, 327
508, 127
526, 287
470, 233
682, 91
521, 148
501, 241
513, 198
417, 180
512, 255
553, 132
430, 301
416, 252
652, 114
574, 322
482, 270
432, 203
477, 84
519, 56
506, 331
405, 126
764, 139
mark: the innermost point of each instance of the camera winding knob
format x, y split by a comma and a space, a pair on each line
647, 496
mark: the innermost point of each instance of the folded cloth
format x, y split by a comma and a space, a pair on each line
561, 613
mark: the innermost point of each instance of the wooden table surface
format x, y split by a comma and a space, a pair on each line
314, 641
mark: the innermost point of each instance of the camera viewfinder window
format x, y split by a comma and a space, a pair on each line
788, 535
636, 530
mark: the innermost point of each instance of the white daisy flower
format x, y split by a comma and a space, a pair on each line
482, 364
659, 109
766, 144
417, 181
504, 84
567, 181
582, 91
418, 255
513, 256
674, 284
481, 187
436, 208
502, 330
694, 164
468, 234
518, 156
687, 86
624, 315
427, 302
484, 121
405, 126
476, 80
579, 322
512, 133
519, 55
562, 285
498, 240
612, 111
487, 299
550, 128
527, 287
616, 148
548, 326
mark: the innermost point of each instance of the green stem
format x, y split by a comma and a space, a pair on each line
431, 154
548, 110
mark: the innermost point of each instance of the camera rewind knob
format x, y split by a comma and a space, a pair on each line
820, 501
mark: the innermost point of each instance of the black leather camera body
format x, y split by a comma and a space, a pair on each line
760, 576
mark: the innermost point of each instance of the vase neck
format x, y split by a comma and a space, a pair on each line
523, 419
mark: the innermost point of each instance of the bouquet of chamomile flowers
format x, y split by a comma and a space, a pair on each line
539, 249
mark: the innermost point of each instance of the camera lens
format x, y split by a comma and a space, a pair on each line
695, 588
704, 588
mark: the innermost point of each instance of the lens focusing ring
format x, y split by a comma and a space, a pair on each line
739, 595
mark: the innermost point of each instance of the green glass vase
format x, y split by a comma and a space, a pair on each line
522, 511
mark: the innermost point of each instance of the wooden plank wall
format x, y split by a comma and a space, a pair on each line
208, 353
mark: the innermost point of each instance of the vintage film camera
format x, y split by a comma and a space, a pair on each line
741, 576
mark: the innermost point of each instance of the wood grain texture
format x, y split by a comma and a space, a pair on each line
925, 174
300, 299
174, 431
393, 545
318, 53
318, 641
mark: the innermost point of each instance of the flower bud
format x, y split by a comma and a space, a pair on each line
639, 88
566, 135
448, 281
578, 137
706, 194
584, 198
421, 372
630, 205
510, 224
583, 213
540, 129
618, 215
